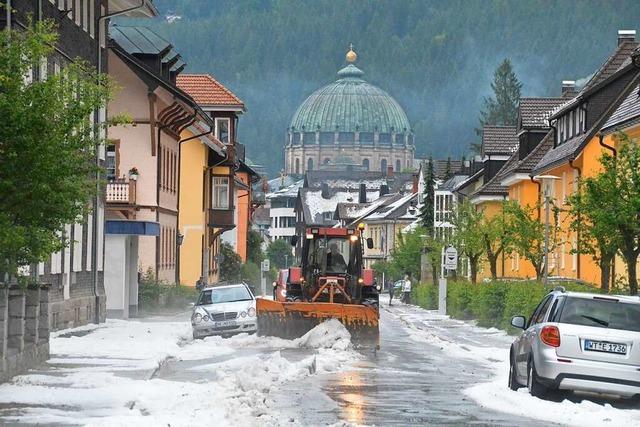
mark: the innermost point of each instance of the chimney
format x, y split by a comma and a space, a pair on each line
384, 190
414, 184
265, 184
568, 87
626, 36
325, 190
389, 171
362, 193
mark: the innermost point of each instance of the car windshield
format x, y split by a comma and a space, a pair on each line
601, 313
222, 295
332, 252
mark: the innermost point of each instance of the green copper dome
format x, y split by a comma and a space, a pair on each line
350, 104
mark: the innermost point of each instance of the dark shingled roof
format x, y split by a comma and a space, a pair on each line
618, 59
499, 140
534, 112
612, 64
493, 187
527, 164
627, 111
440, 167
561, 152
261, 216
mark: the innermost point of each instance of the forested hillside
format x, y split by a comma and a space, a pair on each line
435, 57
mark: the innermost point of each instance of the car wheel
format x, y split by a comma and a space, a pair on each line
196, 337
513, 377
536, 389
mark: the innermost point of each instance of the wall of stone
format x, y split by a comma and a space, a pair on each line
24, 329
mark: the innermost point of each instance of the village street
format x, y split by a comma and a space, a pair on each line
430, 370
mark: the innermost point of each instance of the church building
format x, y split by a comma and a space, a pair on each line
351, 123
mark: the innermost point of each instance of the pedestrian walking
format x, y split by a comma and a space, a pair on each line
390, 286
406, 288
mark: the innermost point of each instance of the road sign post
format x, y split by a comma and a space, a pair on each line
449, 262
264, 267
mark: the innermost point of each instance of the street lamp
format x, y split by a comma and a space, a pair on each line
546, 179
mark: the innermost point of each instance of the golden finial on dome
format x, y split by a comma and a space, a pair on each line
351, 55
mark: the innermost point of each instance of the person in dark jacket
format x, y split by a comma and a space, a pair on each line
390, 286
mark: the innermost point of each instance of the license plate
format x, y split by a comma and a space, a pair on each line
605, 347
224, 323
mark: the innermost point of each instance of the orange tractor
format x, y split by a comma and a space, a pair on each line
331, 283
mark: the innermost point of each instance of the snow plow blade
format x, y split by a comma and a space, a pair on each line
290, 320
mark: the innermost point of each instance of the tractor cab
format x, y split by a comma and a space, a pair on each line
332, 269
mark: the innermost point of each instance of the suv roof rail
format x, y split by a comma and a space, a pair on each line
559, 289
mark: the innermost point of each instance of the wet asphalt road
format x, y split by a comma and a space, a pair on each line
405, 383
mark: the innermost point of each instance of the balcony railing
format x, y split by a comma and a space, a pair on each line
121, 191
221, 218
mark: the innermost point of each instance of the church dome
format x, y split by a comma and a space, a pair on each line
350, 105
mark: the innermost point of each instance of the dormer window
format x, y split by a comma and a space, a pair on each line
222, 129
581, 122
571, 125
561, 128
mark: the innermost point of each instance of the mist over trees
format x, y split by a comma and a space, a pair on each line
437, 58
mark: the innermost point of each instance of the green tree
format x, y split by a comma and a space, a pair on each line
593, 221
526, 234
502, 108
47, 146
469, 237
255, 253
231, 266
279, 253
618, 189
428, 195
406, 255
496, 240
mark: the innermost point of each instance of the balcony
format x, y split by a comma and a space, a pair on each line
121, 192
219, 218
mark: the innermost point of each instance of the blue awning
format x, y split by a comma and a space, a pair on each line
136, 228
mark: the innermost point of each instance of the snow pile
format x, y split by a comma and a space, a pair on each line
329, 334
114, 376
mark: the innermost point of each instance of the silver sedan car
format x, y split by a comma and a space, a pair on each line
224, 310
579, 342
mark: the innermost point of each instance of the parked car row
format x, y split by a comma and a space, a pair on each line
579, 342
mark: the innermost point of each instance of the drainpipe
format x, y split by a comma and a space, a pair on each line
539, 194
577, 168
96, 202
177, 273
614, 152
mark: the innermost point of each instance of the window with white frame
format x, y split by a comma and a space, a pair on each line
220, 192
222, 129
571, 126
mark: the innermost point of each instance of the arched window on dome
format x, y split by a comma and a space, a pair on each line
383, 165
398, 165
310, 164
365, 164
297, 169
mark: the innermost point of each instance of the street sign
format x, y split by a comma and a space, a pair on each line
265, 265
451, 258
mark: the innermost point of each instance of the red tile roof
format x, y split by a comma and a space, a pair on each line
206, 90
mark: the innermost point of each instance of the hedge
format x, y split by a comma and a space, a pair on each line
492, 304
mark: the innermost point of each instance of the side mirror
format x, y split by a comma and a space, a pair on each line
294, 240
518, 322
369, 243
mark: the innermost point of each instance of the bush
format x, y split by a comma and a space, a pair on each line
153, 293
493, 304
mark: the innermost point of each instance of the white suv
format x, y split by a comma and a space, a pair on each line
578, 341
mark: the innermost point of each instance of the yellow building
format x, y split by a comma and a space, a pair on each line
584, 128
215, 183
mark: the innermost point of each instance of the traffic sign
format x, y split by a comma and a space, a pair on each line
265, 265
451, 258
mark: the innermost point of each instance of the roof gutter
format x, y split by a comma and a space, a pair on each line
614, 152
